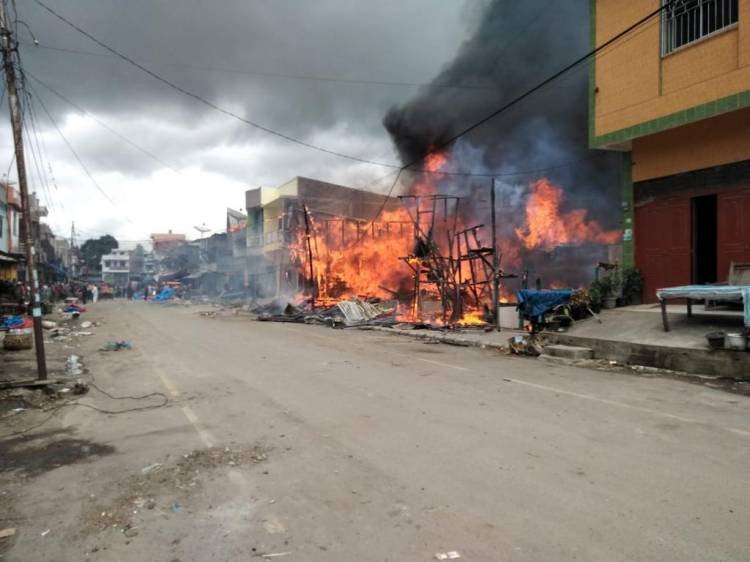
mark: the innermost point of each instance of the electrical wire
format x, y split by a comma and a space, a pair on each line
32, 138
245, 72
518, 99
54, 411
207, 102
41, 148
102, 124
441, 146
75, 155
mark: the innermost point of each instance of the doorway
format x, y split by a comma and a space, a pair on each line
705, 238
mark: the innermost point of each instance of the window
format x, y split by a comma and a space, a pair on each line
687, 21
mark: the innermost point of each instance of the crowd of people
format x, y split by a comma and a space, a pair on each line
19, 294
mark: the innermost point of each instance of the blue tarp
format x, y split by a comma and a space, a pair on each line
165, 294
535, 303
11, 322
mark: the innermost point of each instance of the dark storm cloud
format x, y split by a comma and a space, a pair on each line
328, 38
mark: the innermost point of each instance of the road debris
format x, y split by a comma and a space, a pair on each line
450, 555
151, 468
526, 344
73, 366
116, 346
9, 532
45, 533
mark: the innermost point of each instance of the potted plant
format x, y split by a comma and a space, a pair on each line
632, 285
598, 292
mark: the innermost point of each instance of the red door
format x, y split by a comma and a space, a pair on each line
663, 244
734, 230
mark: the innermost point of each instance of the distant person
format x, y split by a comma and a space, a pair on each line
94, 293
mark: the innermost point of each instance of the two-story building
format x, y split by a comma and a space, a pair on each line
11, 251
116, 268
276, 218
674, 97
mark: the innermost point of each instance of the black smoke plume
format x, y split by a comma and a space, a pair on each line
516, 45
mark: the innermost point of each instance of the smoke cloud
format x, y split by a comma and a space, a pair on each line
516, 45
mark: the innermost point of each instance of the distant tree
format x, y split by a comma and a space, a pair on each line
93, 249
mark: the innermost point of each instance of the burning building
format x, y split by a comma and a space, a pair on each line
557, 211
318, 238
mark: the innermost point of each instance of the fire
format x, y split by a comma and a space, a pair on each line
547, 227
390, 258
435, 161
474, 318
355, 258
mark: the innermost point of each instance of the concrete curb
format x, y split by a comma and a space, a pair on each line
718, 363
613, 363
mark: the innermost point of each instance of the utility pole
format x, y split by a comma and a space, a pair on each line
72, 259
495, 262
8, 47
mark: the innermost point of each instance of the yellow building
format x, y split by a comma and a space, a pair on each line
674, 97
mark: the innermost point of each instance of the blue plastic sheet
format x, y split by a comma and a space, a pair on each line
535, 303
11, 322
165, 294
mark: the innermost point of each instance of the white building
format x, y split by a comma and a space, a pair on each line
116, 268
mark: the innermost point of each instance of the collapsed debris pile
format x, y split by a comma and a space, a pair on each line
349, 313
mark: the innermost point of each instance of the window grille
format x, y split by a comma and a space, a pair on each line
687, 21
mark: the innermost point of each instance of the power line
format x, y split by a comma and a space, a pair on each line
75, 154
269, 74
103, 125
160, 161
33, 138
207, 102
528, 93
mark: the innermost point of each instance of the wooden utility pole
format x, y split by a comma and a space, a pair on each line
8, 46
495, 262
308, 235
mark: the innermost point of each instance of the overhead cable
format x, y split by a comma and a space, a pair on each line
207, 102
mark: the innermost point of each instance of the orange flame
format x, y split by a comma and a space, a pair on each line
547, 227
354, 258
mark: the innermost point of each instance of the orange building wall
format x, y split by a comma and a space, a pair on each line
635, 84
703, 144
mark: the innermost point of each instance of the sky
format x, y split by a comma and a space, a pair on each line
293, 66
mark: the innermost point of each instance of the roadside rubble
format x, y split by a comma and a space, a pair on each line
526, 344
351, 313
116, 346
164, 487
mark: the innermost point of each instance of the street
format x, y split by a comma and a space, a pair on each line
315, 444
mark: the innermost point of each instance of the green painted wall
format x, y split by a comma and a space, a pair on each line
628, 213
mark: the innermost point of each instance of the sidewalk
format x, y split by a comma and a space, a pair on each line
631, 335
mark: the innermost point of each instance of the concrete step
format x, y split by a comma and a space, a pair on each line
569, 351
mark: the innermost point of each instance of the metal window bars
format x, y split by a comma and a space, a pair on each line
687, 21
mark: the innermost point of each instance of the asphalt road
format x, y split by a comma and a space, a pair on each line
379, 448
